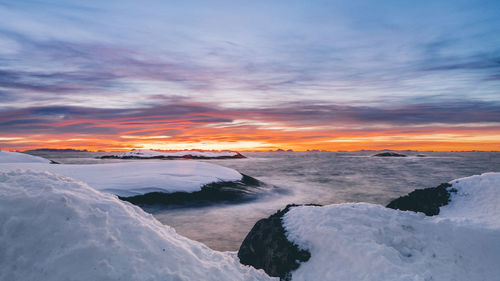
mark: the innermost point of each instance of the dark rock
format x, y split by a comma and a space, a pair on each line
237, 156
54, 162
55, 150
389, 154
218, 192
266, 247
427, 200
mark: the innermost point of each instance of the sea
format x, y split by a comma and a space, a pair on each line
318, 177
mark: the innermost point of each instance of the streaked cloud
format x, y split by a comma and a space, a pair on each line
182, 122
292, 73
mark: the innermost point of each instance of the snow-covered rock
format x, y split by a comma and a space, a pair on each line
17, 157
129, 179
133, 178
267, 247
147, 154
476, 201
226, 192
370, 242
55, 228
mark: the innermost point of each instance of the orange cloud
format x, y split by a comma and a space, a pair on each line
187, 125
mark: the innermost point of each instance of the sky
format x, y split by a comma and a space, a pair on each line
250, 75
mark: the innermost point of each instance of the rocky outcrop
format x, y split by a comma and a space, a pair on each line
218, 192
427, 200
389, 154
266, 247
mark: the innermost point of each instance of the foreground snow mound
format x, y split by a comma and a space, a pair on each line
17, 157
458, 240
475, 202
370, 242
133, 178
176, 154
55, 228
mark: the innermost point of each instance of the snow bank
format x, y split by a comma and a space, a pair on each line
16, 157
370, 242
136, 178
476, 202
193, 153
56, 228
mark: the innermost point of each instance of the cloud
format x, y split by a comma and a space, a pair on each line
472, 63
301, 71
7, 96
180, 116
55, 82
72, 71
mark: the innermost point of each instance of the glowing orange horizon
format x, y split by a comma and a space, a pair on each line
264, 140
208, 127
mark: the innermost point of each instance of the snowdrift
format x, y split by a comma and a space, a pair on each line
476, 202
131, 178
56, 228
16, 157
370, 242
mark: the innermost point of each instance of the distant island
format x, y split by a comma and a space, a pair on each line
55, 150
281, 150
172, 155
389, 154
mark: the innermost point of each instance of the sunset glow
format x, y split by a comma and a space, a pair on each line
298, 75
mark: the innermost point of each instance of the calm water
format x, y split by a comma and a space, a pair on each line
313, 177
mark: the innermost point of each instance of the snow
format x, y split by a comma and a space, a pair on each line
17, 157
132, 178
55, 228
195, 153
370, 242
474, 202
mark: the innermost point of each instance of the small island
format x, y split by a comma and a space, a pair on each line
172, 155
389, 154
